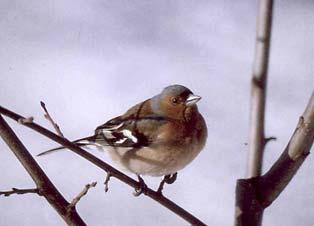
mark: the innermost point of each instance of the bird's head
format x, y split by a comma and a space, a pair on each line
175, 101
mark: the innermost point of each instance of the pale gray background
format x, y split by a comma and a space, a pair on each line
91, 60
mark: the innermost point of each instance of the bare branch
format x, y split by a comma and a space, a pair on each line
258, 88
20, 191
106, 167
253, 195
106, 183
49, 118
46, 187
80, 195
248, 211
281, 173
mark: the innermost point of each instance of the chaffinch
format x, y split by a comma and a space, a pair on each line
156, 137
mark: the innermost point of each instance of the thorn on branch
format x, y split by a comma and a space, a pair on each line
48, 117
106, 183
258, 82
20, 191
74, 202
25, 120
268, 139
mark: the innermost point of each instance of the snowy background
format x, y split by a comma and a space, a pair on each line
91, 60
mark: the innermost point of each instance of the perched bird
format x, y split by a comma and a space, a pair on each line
156, 137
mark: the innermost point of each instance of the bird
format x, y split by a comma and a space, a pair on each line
157, 137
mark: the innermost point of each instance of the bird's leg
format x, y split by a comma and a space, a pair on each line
161, 185
142, 187
169, 179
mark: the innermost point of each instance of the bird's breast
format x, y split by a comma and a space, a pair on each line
157, 159
174, 146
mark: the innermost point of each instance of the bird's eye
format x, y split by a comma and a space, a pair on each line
174, 100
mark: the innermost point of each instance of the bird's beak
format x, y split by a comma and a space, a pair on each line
192, 99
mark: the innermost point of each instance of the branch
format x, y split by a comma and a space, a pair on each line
26, 120
268, 139
281, 173
258, 88
106, 182
20, 191
49, 118
44, 185
80, 195
248, 212
253, 195
107, 168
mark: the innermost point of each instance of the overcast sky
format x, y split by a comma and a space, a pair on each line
91, 60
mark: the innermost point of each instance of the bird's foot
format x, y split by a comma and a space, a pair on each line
169, 179
138, 191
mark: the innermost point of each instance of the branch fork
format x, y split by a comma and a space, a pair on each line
75, 201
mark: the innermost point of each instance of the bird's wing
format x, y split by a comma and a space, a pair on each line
129, 132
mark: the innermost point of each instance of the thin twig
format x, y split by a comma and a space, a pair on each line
43, 183
106, 183
107, 168
49, 118
80, 195
20, 191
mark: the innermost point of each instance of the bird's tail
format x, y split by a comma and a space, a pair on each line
86, 141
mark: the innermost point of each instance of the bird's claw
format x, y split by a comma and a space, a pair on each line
168, 179
138, 191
